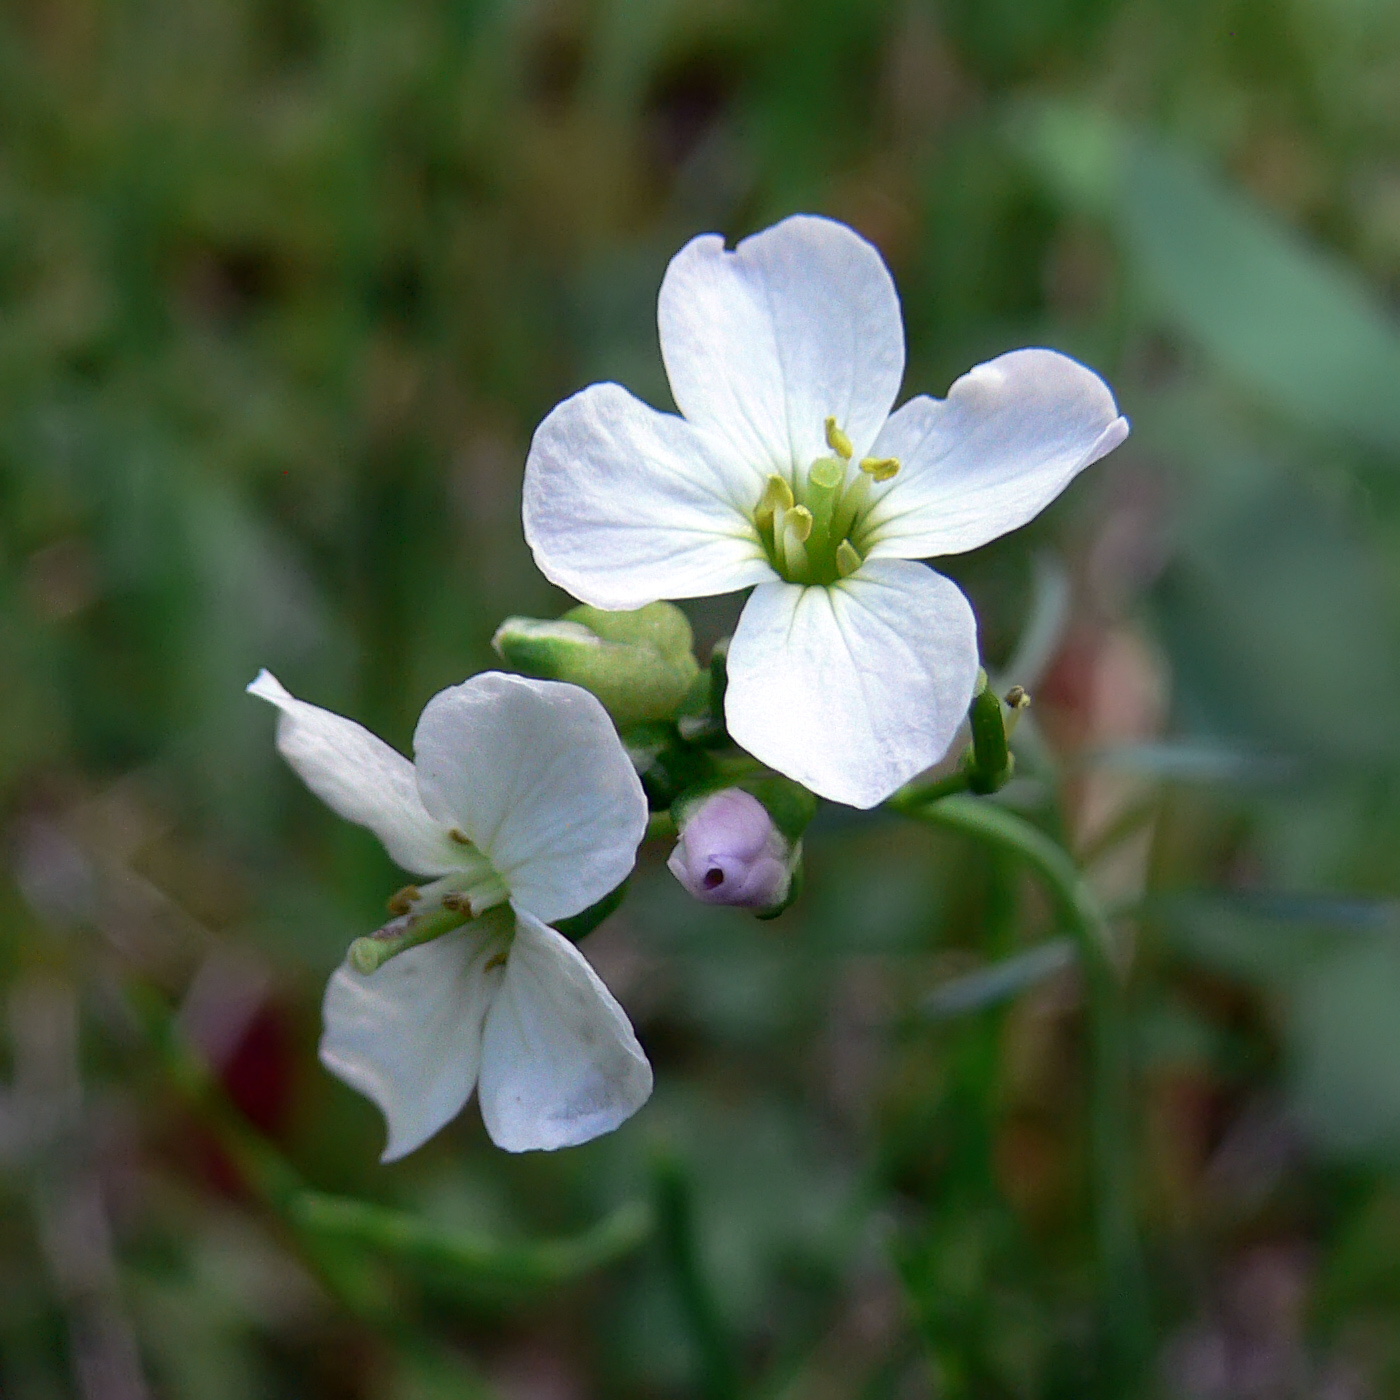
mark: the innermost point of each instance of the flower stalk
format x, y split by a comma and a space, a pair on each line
1122, 1276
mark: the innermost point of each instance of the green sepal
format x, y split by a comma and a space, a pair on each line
789, 804
578, 926
799, 878
667, 765
701, 717
639, 663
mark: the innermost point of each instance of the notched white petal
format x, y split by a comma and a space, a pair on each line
534, 774
409, 1035
798, 324
1010, 436
560, 1063
359, 777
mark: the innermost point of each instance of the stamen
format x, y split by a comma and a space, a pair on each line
486, 894
796, 527
495, 960
777, 495
849, 507
879, 468
460, 837
837, 441
1017, 700
401, 901
848, 559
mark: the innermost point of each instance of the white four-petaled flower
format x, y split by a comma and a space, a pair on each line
522, 807
852, 664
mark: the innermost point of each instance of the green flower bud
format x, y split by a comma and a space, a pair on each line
639, 664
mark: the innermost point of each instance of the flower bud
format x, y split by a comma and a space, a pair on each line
638, 663
731, 852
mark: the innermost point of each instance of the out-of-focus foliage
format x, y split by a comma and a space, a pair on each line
284, 288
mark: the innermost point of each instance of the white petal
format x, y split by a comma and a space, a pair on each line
624, 505
559, 1062
851, 690
409, 1035
1009, 437
359, 778
534, 773
798, 323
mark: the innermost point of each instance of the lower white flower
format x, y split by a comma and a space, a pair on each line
852, 665
521, 809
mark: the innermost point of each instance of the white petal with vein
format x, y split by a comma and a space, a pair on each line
560, 1063
1009, 437
624, 505
360, 778
409, 1036
851, 690
534, 774
761, 344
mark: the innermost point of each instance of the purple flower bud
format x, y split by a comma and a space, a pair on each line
730, 852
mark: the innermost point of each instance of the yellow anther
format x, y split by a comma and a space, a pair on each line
848, 559
777, 495
403, 900
837, 441
799, 522
460, 837
879, 468
495, 960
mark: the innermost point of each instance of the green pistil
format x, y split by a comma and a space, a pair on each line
824, 482
808, 527
369, 954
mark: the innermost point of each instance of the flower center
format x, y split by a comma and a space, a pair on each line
807, 526
476, 887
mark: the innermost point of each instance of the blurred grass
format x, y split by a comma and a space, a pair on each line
284, 289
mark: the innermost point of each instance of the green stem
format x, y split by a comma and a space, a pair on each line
359, 1288
914, 795
1122, 1277
675, 1219
529, 1265
263, 1170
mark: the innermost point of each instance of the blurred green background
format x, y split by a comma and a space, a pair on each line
285, 286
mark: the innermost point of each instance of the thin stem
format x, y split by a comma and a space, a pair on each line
263, 1170
1122, 1278
529, 1265
675, 1219
357, 1286
914, 795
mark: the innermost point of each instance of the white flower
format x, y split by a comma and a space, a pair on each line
852, 665
521, 804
